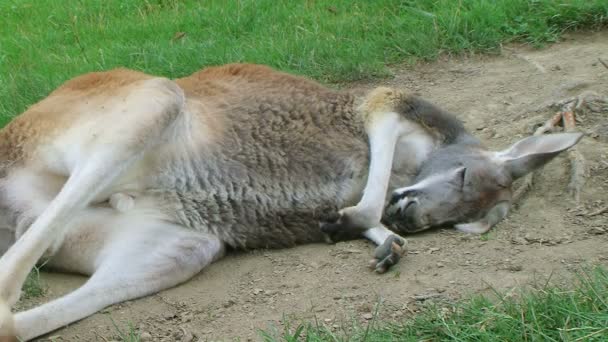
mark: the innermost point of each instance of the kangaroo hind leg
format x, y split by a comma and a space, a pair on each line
94, 150
142, 256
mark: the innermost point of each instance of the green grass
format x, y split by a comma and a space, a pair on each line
127, 333
33, 286
543, 313
45, 42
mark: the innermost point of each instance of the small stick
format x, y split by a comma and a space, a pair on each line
99, 335
549, 124
569, 121
577, 170
599, 211
534, 63
577, 161
603, 63
423, 297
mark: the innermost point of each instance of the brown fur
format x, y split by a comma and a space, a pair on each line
41, 122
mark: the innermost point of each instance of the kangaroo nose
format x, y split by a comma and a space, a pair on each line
400, 205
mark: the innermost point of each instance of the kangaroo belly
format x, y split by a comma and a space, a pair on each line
249, 206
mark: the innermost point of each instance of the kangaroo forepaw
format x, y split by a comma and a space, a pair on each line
349, 223
340, 229
388, 253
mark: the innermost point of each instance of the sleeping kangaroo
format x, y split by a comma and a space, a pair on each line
140, 182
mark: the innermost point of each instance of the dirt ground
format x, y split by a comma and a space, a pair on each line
500, 99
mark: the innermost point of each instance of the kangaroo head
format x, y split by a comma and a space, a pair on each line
465, 185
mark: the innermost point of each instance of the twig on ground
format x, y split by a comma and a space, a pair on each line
549, 124
598, 212
577, 161
603, 63
423, 297
537, 65
100, 336
578, 173
534, 63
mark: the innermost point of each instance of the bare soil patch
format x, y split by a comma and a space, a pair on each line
500, 99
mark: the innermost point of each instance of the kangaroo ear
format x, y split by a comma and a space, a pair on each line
457, 177
533, 152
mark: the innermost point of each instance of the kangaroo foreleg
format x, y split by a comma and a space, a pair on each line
383, 127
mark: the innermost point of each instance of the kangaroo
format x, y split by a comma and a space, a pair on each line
140, 182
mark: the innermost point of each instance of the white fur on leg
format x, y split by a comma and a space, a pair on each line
159, 255
7, 324
383, 133
378, 234
76, 194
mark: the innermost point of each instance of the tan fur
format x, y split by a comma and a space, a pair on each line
378, 102
80, 97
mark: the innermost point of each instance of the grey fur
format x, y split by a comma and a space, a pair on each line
293, 152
